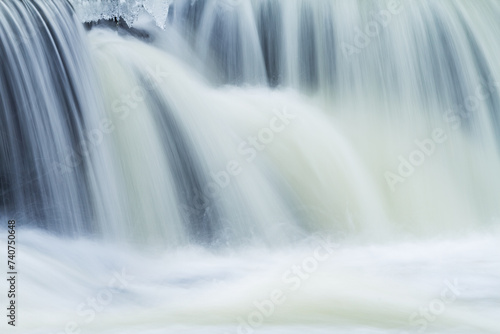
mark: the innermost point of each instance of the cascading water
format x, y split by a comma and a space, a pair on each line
235, 166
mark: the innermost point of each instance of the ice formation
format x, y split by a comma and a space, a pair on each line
129, 10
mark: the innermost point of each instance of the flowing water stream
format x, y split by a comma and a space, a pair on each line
246, 166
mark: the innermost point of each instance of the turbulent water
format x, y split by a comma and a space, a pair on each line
233, 166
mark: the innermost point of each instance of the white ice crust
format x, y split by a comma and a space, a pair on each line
129, 10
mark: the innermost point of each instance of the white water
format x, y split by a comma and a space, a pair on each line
176, 108
358, 289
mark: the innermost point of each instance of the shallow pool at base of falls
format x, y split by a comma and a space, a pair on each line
438, 286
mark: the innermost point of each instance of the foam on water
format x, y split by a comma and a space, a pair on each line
176, 171
357, 288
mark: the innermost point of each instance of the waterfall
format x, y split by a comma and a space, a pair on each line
48, 101
223, 137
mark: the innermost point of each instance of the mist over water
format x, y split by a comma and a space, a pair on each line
252, 166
